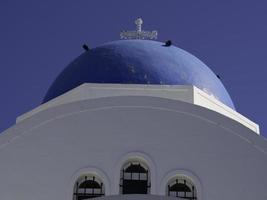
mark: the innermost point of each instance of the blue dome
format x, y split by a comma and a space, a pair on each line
138, 62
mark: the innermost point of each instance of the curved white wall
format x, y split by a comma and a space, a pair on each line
186, 93
43, 155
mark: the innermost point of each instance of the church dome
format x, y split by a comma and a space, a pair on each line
138, 62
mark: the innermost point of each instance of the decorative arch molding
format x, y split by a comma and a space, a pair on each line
135, 156
92, 170
181, 172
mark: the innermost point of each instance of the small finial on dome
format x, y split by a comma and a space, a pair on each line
85, 47
139, 34
168, 43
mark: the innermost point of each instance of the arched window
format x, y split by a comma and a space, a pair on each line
88, 186
135, 178
181, 187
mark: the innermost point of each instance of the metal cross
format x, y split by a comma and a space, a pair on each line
139, 34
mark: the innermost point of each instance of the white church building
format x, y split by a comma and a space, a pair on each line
134, 119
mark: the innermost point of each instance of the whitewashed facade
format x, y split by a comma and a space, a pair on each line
96, 129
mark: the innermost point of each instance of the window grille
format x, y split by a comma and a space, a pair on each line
182, 188
88, 187
135, 179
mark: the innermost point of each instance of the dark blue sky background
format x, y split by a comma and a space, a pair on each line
39, 38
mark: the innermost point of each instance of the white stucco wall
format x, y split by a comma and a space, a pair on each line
42, 156
186, 93
203, 99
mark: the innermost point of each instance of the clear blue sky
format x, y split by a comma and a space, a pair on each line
39, 38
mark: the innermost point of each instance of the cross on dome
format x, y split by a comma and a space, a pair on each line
138, 23
139, 34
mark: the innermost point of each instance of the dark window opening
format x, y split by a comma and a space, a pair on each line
87, 188
135, 179
182, 188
